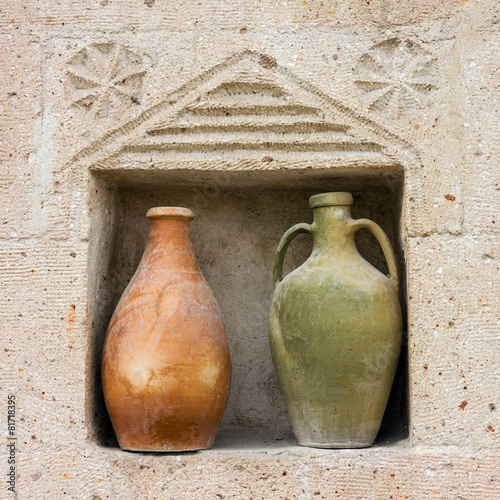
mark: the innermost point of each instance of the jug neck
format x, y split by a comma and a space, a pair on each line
169, 242
332, 232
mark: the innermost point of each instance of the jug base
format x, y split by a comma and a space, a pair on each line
338, 445
164, 450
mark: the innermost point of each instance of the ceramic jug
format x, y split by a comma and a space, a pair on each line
166, 364
335, 330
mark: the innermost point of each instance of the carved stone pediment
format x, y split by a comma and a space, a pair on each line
248, 113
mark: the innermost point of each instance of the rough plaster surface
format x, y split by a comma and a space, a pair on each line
399, 93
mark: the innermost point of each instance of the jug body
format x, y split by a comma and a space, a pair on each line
335, 331
166, 365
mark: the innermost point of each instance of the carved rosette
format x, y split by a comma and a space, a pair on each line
395, 78
105, 80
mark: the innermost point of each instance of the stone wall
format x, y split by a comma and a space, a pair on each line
240, 111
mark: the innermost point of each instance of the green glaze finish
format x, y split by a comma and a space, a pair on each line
335, 330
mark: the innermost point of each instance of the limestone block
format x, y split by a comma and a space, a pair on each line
260, 473
32, 189
45, 344
482, 15
155, 14
106, 15
481, 116
453, 316
108, 120
14, 15
89, 114
24, 183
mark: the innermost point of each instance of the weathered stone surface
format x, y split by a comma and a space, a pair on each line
453, 324
109, 106
274, 473
481, 114
24, 183
155, 14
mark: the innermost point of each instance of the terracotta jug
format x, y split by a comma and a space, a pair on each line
166, 365
335, 330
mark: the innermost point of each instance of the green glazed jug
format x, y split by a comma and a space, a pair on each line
335, 330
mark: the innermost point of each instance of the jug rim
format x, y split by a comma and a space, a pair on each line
163, 213
330, 199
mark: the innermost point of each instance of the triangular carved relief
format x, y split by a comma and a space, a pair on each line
248, 114
246, 110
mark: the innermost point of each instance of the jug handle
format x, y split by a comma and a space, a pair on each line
384, 242
285, 241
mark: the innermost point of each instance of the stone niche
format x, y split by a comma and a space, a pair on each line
244, 146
